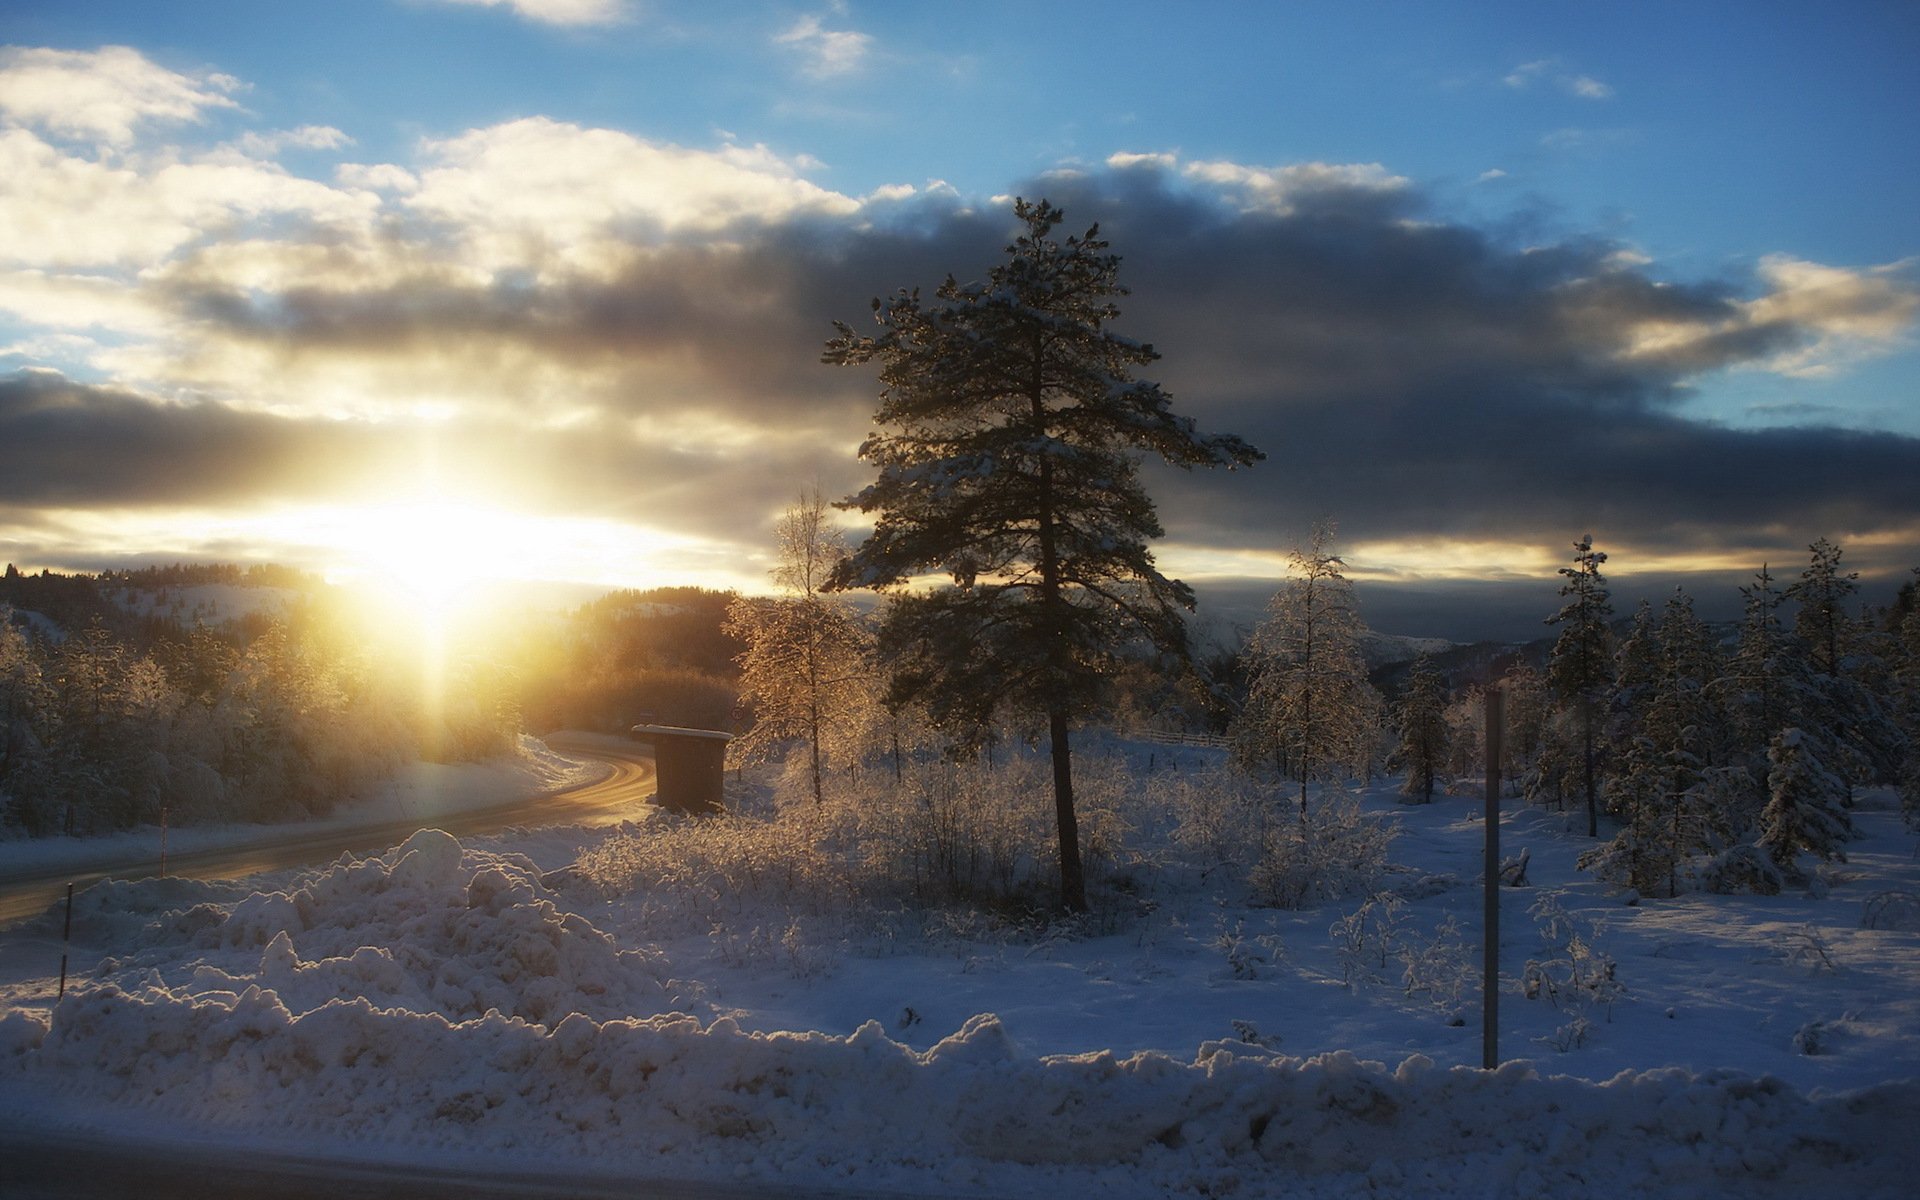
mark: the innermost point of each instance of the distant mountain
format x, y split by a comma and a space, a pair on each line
1385, 649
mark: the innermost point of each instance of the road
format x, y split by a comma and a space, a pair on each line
52, 1164
621, 792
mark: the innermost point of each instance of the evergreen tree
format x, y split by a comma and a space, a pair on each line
1310, 709
1423, 729
1861, 741
1822, 593
1660, 790
1807, 805
1012, 429
805, 669
1580, 668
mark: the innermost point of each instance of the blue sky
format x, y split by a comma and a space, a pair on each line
381, 225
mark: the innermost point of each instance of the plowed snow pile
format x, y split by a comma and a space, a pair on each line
437, 999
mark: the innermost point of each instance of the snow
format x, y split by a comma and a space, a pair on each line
467, 1001
419, 790
206, 603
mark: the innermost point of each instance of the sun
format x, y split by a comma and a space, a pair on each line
428, 556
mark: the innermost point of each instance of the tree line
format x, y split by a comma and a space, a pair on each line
1010, 545
266, 719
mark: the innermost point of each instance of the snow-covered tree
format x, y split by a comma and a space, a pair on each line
1422, 714
1823, 592
806, 669
1581, 666
1310, 709
1011, 430
1664, 790
1845, 705
1807, 805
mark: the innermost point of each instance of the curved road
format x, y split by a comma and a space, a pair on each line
622, 791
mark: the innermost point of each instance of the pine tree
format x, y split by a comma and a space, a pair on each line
1310, 709
1807, 808
1822, 591
1861, 741
1012, 429
805, 669
1423, 729
1581, 664
1660, 789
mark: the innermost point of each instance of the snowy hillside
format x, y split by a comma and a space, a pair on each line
476, 1002
204, 604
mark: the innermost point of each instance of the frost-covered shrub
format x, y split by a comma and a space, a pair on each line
1892, 909
1214, 814
698, 872
1572, 973
1366, 938
1333, 852
1742, 868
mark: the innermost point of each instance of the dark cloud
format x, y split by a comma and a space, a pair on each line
1412, 376
71, 445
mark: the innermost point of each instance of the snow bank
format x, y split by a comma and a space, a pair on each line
668, 1091
438, 999
429, 927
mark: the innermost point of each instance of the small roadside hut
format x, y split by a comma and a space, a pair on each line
692, 765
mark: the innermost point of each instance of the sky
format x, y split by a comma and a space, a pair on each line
536, 289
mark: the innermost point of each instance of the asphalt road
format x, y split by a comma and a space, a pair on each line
49, 1164
623, 791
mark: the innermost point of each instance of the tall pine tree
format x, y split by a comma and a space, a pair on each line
1310, 709
1011, 432
1581, 666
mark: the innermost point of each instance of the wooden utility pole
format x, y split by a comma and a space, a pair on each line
1490, 956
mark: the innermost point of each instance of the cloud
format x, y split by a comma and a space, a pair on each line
1551, 71
535, 191
825, 52
306, 137
103, 95
586, 322
131, 209
560, 12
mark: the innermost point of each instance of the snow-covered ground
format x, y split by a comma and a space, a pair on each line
462, 1002
421, 790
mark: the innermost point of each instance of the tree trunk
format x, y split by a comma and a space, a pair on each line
1593, 801
1073, 887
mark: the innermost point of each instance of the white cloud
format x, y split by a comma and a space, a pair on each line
1122, 160
826, 52
1834, 317
306, 137
1586, 87
1850, 314
104, 94
1490, 174
133, 210
560, 12
1279, 188
536, 192
375, 177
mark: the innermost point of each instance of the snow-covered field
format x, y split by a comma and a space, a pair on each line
450, 1002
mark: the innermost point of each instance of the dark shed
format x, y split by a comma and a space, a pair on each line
692, 764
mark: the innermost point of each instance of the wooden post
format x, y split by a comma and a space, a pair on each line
65, 937
1490, 956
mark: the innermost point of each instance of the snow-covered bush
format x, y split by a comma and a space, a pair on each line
698, 872
1891, 909
1572, 973
1332, 852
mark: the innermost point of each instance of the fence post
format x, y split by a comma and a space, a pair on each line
1490, 957
66, 936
